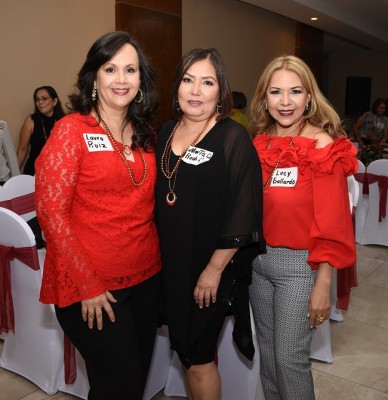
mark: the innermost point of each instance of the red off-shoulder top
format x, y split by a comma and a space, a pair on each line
315, 213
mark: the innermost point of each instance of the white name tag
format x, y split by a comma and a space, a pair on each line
196, 155
97, 142
285, 177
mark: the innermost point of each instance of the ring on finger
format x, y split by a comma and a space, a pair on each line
91, 314
320, 318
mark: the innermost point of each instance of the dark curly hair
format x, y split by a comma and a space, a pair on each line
141, 115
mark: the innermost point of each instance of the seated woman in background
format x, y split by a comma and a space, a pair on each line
8, 162
372, 126
238, 114
37, 126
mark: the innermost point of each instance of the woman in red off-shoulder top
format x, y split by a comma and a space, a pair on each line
95, 181
305, 159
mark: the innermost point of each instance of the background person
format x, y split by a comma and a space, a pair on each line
37, 126
239, 104
305, 159
209, 213
8, 161
103, 260
372, 126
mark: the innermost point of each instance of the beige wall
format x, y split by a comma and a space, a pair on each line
246, 37
372, 64
44, 42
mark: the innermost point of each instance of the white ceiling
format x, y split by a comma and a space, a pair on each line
361, 23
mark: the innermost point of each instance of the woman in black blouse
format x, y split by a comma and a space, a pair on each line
37, 126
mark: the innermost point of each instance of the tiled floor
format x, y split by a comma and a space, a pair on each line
360, 344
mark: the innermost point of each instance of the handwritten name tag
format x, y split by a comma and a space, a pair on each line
97, 142
196, 155
285, 177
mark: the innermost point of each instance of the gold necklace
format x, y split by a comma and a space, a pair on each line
278, 161
171, 196
112, 139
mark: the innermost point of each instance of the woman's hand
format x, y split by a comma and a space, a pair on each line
319, 302
206, 289
207, 286
92, 308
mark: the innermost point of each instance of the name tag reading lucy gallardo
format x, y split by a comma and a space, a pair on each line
285, 177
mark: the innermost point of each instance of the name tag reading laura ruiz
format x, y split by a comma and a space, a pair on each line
285, 177
196, 155
97, 142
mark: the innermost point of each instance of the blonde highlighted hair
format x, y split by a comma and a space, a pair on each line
319, 113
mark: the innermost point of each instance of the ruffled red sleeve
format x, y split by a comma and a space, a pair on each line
332, 234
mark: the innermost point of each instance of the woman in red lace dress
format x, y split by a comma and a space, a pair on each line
95, 201
305, 159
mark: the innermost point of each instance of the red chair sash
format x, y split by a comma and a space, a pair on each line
367, 179
27, 255
21, 204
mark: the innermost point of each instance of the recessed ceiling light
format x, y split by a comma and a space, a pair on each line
314, 18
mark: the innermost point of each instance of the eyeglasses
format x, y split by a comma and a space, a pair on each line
44, 99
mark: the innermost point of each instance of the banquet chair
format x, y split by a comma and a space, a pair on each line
240, 378
354, 195
17, 194
376, 224
34, 349
362, 204
157, 375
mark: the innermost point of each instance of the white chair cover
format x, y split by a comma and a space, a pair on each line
157, 376
362, 206
240, 378
354, 195
35, 350
321, 344
19, 185
375, 232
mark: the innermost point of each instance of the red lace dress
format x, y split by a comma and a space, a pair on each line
99, 227
315, 213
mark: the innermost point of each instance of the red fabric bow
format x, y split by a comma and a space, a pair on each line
367, 179
21, 204
28, 256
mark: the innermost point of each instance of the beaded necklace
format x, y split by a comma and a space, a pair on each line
138, 149
278, 161
171, 197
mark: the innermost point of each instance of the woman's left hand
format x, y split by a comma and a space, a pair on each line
92, 309
206, 289
319, 302
319, 305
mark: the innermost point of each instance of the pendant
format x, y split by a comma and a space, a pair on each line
171, 198
127, 150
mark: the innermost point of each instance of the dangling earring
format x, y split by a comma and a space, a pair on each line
306, 110
218, 108
266, 106
177, 101
141, 97
94, 92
